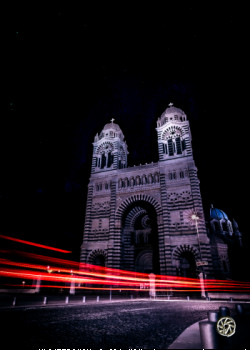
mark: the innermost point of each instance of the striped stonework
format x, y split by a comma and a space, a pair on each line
138, 218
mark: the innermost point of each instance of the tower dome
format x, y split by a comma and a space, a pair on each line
172, 113
172, 110
110, 130
219, 222
217, 214
112, 126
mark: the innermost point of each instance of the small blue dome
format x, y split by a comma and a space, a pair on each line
217, 214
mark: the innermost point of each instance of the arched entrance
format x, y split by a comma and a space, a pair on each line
187, 265
139, 238
184, 258
98, 257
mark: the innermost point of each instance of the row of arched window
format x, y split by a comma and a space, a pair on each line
139, 180
102, 186
104, 160
174, 175
143, 180
219, 227
173, 146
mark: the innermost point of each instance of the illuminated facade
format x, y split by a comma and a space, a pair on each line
140, 218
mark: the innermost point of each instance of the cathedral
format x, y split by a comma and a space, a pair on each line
150, 218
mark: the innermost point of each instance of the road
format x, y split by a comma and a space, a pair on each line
135, 324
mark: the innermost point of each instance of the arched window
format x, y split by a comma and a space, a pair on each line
224, 227
183, 142
144, 179
164, 148
156, 177
103, 161
170, 147
178, 145
138, 180
110, 159
150, 179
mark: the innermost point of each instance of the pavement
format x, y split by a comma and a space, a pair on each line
142, 323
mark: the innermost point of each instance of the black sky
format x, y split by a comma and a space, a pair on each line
70, 70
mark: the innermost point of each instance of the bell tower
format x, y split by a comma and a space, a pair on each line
110, 149
184, 242
174, 137
101, 243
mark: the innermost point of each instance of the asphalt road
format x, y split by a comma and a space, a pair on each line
131, 324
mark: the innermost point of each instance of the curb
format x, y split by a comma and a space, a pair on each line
188, 339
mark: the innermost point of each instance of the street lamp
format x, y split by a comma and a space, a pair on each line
195, 218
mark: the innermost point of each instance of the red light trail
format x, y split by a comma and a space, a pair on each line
63, 272
34, 244
134, 281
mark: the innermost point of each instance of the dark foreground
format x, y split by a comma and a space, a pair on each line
130, 324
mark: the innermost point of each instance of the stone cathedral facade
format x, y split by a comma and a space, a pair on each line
140, 218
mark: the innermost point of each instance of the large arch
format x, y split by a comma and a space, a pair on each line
138, 216
135, 198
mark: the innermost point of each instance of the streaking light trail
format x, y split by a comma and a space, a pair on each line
53, 272
95, 277
34, 244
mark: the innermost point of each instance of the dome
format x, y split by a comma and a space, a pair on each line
172, 110
171, 114
217, 214
112, 126
110, 131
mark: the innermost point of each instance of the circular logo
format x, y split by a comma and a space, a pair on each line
226, 326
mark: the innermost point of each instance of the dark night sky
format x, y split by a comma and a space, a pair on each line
70, 70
